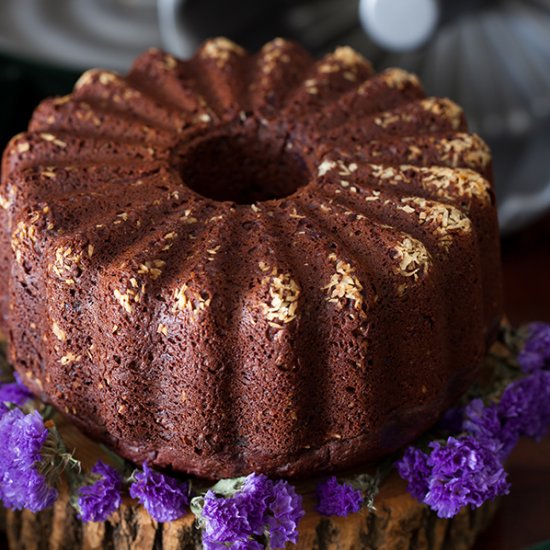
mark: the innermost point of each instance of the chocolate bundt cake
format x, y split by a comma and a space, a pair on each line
249, 262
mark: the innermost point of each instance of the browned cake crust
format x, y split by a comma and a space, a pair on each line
249, 262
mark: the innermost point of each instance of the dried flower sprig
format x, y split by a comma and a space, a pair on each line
467, 469
29, 461
248, 512
164, 497
99, 495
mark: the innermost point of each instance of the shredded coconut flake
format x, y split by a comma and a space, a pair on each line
284, 293
345, 285
411, 257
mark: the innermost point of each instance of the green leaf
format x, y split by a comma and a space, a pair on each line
196, 506
228, 487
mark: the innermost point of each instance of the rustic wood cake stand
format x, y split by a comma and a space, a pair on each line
399, 522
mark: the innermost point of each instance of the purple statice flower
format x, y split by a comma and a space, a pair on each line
414, 469
535, 354
23, 462
484, 423
164, 497
100, 498
463, 472
259, 506
225, 519
285, 512
255, 492
14, 392
237, 518
237, 545
524, 408
338, 499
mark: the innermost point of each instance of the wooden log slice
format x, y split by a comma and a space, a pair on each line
399, 522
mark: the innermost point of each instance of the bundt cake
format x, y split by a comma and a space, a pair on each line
248, 262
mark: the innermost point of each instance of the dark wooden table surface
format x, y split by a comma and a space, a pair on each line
524, 516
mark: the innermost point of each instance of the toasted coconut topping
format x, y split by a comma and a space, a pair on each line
284, 293
22, 147
66, 261
344, 59
445, 219
444, 108
447, 183
53, 139
107, 77
133, 294
69, 358
390, 118
62, 100
49, 173
440, 107
343, 169
391, 174
90, 75
325, 167
23, 232
4, 202
464, 148
221, 50
115, 88
465, 182
348, 56
59, 332
398, 78
345, 285
170, 62
187, 218
26, 231
203, 117
311, 86
272, 55
411, 257
124, 300
152, 268
187, 299
373, 196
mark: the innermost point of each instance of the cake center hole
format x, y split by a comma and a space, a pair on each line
242, 168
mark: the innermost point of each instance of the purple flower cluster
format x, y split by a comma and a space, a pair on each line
164, 497
23, 483
260, 507
284, 513
523, 410
524, 407
535, 355
15, 393
461, 472
415, 469
101, 497
468, 470
338, 499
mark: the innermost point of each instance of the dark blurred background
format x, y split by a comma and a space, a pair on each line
491, 56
